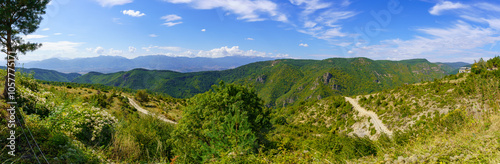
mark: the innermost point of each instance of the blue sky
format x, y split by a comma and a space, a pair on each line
441, 31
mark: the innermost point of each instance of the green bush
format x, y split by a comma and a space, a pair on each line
142, 96
229, 120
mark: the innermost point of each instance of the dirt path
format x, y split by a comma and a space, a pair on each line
379, 126
142, 110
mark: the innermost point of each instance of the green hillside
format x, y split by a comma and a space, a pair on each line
454, 119
48, 75
284, 81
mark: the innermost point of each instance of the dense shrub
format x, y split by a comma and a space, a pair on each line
229, 120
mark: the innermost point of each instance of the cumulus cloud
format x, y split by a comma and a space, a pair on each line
249, 10
463, 40
303, 45
213, 53
133, 13
460, 40
249, 39
111, 3
99, 50
203, 30
57, 33
131, 49
46, 29
169, 20
153, 35
445, 5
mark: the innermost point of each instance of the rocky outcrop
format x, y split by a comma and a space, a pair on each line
261, 79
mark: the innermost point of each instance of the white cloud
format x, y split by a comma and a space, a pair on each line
203, 30
249, 10
311, 6
133, 13
115, 52
459, 41
214, 53
445, 5
170, 48
153, 35
232, 51
171, 17
57, 33
170, 24
322, 20
303, 45
249, 39
488, 6
46, 29
111, 3
65, 46
99, 50
34, 36
131, 49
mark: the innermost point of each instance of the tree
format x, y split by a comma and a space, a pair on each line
142, 96
227, 122
479, 66
18, 17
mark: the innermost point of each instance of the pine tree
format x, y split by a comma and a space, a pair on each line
18, 17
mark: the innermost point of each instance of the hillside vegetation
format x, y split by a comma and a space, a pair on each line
452, 119
48, 75
283, 82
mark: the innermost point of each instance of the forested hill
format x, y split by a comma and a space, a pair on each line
283, 81
48, 75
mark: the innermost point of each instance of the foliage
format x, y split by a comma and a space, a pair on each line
282, 82
89, 124
142, 139
494, 62
142, 96
479, 66
224, 122
19, 17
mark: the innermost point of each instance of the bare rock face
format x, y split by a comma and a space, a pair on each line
326, 78
261, 79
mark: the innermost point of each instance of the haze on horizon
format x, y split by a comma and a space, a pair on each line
440, 31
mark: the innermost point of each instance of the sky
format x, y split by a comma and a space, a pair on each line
440, 31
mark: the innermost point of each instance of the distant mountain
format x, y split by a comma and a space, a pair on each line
454, 66
109, 64
48, 75
284, 81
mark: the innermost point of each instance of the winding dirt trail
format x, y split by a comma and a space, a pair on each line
379, 126
142, 110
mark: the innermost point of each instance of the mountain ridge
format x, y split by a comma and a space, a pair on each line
110, 64
283, 81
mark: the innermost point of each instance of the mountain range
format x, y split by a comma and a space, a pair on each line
283, 81
110, 64
278, 82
